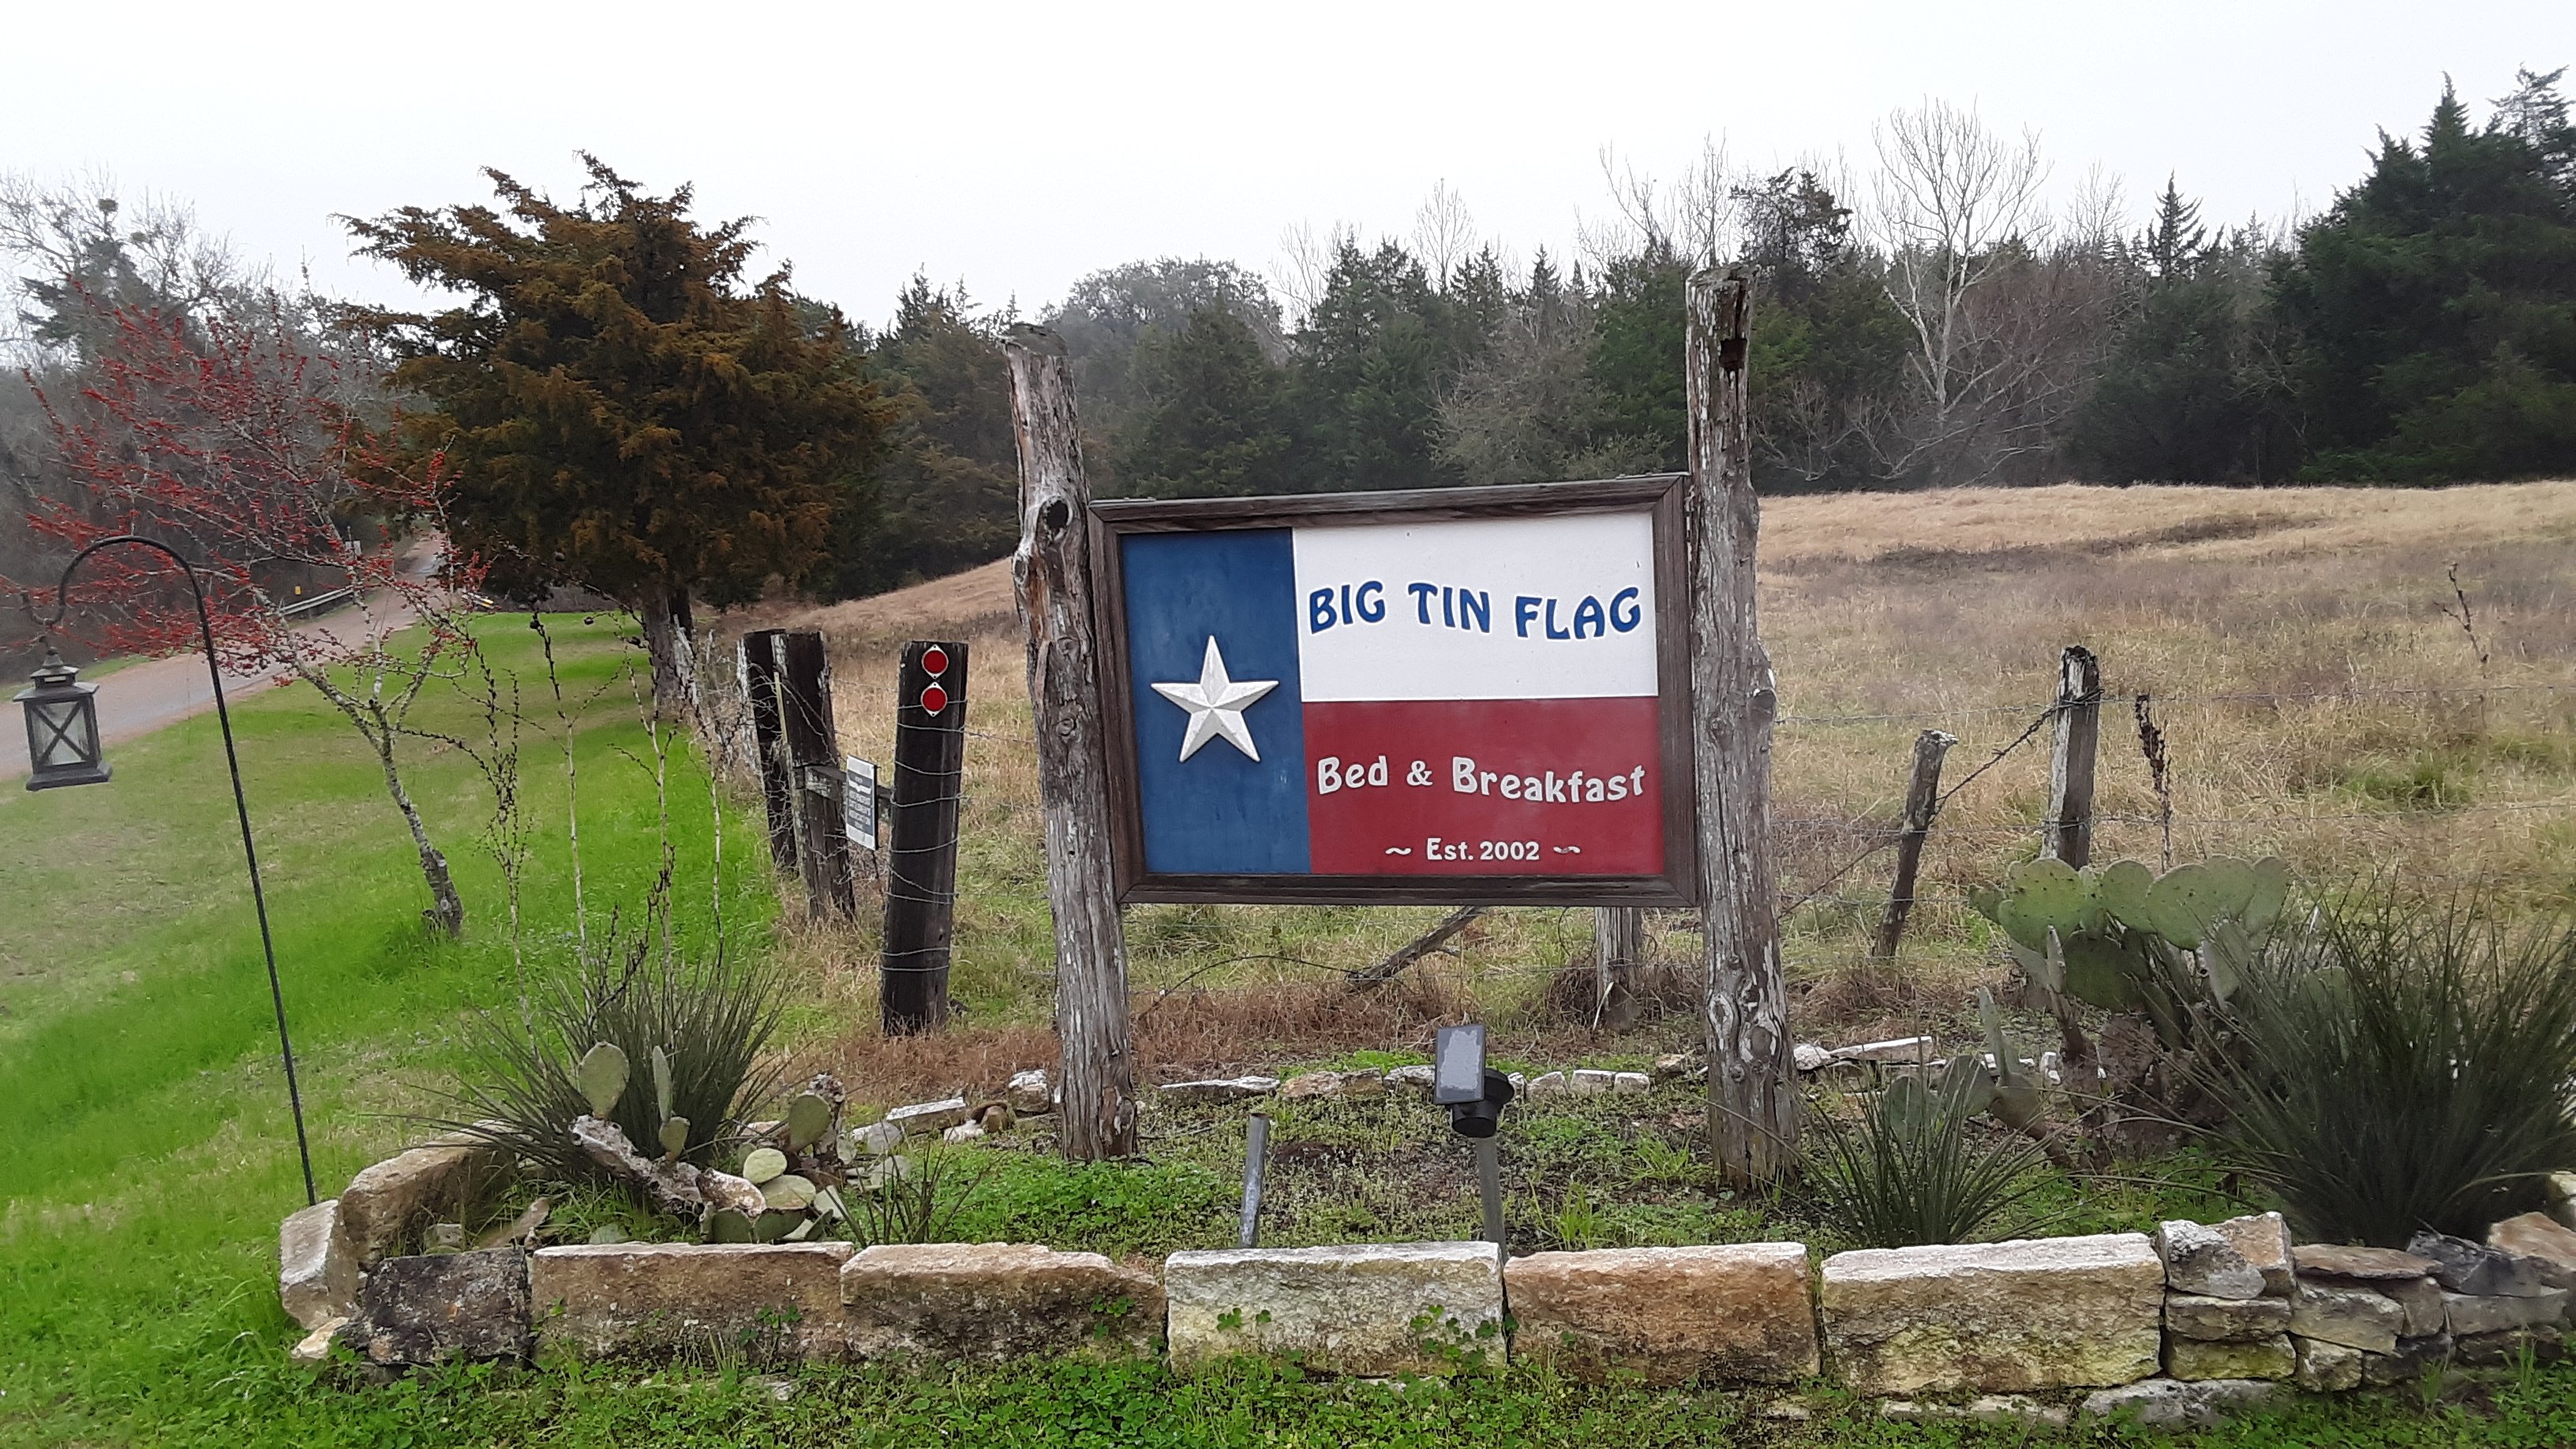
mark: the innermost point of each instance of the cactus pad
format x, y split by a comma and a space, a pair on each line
787, 1193
661, 1083
601, 1074
2187, 899
2121, 891
2099, 972
675, 1135
730, 1227
763, 1164
809, 1120
2271, 895
2042, 895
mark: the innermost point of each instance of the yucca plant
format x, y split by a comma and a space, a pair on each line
1917, 1167
712, 1021
2393, 1068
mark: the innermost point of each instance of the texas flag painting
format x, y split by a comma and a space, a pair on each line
1456, 696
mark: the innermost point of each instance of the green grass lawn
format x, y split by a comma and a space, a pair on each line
146, 1153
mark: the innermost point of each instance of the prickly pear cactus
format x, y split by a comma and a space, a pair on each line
2123, 938
675, 1136
601, 1075
762, 1164
809, 1120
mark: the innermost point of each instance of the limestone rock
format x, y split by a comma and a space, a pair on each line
2545, 1345
1806, 1056
921, 1119
2420, 1299
1631, 1083
2204, 1261
1672, 1066
1670, 1315
1367, 1308
1591, 1083
2407, 1364
2461, 1266
2354, 1317
2325, 1368
313, 1350
387, 1203
1029, 1094
317, 1266
655, 1299
2035, 1314
2542, 1241
1548, 1084
879, 1138
2266, 1358
964, 1132
2225, 1320
2336, 1260
1316, 1085
2263, 1239
1415, 1078
2469, 1314
1219, 1089
2561, 1190
2167, 1404
1916, 1049
994, 1301
425, 1310
1983, 1409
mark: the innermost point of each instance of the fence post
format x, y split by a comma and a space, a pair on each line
814, 758
1618, 942
1921, 797
2069, 835
921, 835
1753, 1112
1051, 573
757, 656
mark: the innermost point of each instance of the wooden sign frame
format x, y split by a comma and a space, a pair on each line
1664, 495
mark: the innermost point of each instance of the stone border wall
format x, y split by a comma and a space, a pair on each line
2176, 1325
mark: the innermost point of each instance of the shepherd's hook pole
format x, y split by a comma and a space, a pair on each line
241, 810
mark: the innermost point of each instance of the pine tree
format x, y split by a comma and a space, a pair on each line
1209, 427
618, 412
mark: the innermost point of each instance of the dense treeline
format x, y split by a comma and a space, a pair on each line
1929, 323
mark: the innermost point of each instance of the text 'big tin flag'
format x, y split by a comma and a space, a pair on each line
1467, 697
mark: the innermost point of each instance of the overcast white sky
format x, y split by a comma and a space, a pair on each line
1018, 146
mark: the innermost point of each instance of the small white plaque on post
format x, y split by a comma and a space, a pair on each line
859, 801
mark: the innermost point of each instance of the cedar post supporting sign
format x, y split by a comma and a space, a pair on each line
1753, 1113
921, 837
759, 670
814, 758
1052, 573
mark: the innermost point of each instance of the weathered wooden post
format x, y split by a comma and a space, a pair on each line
758, 664
814, 757
921, 835
1922, 796
2069, 833
1753, 1113
1618, 942
1052, 571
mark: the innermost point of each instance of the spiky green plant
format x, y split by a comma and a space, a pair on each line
2394, 1068
1917, 1167
916, 1200
712, 1024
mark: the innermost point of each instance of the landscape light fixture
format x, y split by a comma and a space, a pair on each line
64, 748
62, 726
1475, 1095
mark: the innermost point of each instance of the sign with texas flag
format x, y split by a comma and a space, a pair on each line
1455, 695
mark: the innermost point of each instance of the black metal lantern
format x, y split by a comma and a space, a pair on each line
62, 726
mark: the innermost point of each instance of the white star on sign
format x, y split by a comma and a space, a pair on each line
1216, 704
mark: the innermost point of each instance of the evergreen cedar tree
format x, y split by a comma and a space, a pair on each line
619, 413
2436, 302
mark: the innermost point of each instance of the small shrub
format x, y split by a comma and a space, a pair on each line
1918, 1167
716, 1021
2391, 1069
917, 1199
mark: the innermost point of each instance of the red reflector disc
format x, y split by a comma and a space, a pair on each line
934, 699
934, 661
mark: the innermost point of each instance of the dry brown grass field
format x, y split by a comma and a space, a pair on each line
2323, 695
